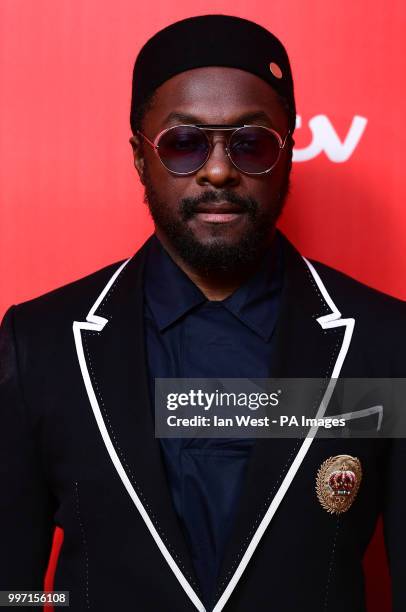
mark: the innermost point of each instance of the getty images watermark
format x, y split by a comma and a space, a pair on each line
251, 401
236, 407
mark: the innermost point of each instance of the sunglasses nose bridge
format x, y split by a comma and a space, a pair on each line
215, 137
221, 136
213, 142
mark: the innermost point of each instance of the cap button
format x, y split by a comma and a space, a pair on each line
275, 69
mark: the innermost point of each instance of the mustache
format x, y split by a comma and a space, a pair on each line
188, 206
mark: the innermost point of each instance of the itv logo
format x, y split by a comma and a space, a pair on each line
326, 140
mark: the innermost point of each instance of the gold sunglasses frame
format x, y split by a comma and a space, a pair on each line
218, 128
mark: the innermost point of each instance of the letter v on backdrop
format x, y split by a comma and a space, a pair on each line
325, 139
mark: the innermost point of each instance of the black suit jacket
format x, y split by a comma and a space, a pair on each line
78, 450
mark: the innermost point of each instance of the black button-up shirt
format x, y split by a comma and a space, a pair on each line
189, 336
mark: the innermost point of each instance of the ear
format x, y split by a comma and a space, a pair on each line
135, 142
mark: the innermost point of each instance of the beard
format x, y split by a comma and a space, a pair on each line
217, 256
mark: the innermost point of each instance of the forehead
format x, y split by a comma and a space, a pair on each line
216, 94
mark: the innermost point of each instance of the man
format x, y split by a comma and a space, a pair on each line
217, 291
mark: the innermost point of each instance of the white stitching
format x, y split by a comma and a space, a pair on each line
84, 541
333, 358
322, 300
258, 519
330, 568
111, 290
121, 454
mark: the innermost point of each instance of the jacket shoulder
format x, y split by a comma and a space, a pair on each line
379, 318
73, 299
43, 326
351, 295
379, 334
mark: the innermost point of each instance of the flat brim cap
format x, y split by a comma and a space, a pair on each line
212, 40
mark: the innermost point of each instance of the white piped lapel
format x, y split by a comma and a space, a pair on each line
95, 322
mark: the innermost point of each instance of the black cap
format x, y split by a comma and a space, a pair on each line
212, 40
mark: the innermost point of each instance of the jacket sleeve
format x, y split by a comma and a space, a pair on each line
395, 521
26, 506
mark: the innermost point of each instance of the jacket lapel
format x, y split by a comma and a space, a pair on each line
111, 350
311, 341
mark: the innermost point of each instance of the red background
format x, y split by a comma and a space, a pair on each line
70, 199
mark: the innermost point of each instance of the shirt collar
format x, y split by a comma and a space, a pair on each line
170, 294
255, 301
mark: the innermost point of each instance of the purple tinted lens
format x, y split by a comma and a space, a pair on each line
254, 149
183, 149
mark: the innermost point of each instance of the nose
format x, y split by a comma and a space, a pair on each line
218, 171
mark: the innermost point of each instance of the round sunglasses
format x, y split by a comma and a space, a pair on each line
184, 149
